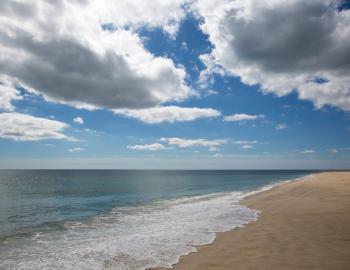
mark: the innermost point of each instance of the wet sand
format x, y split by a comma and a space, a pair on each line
303, 225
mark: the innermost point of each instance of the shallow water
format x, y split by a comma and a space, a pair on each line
119, 219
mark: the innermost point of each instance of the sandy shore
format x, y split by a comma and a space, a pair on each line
303, 225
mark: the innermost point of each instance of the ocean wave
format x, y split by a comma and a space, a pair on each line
133, 238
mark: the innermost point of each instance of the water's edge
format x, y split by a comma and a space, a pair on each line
139, 236
245, 196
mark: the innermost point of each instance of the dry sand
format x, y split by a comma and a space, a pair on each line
303, 225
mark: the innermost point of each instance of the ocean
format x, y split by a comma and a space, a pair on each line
120, 219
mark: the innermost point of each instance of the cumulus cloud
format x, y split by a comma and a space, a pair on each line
7, 95
150, 147
76, 149
166, 14
281, 126
169, 114
71, 59
242, 117
284, 46
22, 127
78, 120
186, 143
308, 151
246, 146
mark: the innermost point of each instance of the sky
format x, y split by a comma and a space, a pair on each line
164, 84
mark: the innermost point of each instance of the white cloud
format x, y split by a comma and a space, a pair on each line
22, 127
166, 14
70, 58
246, 146
333, 150
245, 142
308, 151
218, 155
213, 149
210, 92
169, 114
76, 149
283, 46
78, 120
150, 147
185, 143
281, 126
93, 132
242, 117
7, 95
286, 106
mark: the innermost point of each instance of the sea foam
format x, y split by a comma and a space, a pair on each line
132, 237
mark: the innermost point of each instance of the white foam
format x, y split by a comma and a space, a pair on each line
275, 184
133, 238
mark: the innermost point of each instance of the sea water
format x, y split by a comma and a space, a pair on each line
120, 219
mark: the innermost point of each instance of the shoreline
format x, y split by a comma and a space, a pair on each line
293, 229
271, 187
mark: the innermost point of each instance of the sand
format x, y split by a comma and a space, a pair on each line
303, 225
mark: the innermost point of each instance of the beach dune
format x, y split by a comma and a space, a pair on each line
302, 225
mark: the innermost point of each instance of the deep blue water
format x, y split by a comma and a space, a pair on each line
45, 202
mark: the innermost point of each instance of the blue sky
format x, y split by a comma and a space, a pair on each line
246, 106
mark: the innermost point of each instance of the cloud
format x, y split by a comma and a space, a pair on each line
283, 46
7, 95
281, 126
93, 132
22, 127
218, 155
332, 150
308, 151
245, 142
72, 59
246, 146
286, 106
150, 147
242, 117
186, 143
78, 120
166, 14
76, 149
169, 114
213, 149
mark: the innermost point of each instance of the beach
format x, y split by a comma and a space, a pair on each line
303, 224
117, 219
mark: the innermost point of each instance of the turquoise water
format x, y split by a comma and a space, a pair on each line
119, 219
